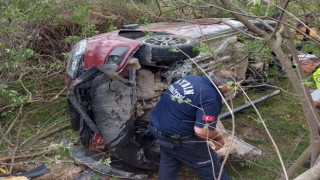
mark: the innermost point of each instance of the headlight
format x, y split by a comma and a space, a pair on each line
117, 55
75, 56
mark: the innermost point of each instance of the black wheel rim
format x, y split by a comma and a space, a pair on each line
166, 40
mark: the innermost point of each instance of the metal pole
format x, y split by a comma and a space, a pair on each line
245, 106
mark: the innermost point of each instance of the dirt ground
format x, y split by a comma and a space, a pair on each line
62, 171
71, 171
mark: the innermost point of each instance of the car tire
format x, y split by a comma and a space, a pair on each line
74, 117
166, 48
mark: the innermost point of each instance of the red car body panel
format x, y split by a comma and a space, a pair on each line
99, 47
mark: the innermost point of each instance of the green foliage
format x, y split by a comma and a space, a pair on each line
15, 17
144, 20
57, 65
25, 10
231, 85
198, 71
257, 49
255, 2
180, 100
112, 27
260, 10
147, 34
81, 15
11, 65
62, 151
89, 30
10, 96
105, 162
204, 48
20, 53
72, 39
175, 50
309, 82
310, 47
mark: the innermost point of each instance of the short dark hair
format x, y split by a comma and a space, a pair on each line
310, 15
222, 77
314, 59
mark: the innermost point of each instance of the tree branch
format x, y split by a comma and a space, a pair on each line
311, 113
26, 156
47, 133
297, 163
312, 173
228, 5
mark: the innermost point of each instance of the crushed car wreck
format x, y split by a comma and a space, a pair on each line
115, 79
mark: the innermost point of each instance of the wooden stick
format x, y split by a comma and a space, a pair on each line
47, 133
298, 163
27, 155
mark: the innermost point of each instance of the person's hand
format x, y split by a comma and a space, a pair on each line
317, 104
216, 143
213, 138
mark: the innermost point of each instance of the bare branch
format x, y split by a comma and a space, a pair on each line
47, 133
45, 152
298, 163
228, 5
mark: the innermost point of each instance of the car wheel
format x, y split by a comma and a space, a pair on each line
166, 48
74, 117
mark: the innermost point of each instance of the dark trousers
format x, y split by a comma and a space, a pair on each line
193, 152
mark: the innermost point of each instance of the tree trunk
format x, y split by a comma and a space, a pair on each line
312, 174
297, 164
309, 109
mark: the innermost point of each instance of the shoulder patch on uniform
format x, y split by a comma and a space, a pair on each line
318, 79
208, 118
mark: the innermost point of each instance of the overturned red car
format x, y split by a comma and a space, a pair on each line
115, 79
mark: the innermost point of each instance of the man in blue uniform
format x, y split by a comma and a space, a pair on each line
185, 119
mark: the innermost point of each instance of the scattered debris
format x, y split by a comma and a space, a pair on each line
41, 170
239, 149
63, 171
80, 157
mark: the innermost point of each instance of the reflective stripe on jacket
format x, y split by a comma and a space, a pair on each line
316, 76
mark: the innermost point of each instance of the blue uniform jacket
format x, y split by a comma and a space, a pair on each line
190, 101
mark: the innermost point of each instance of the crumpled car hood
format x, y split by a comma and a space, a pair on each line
99, 47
